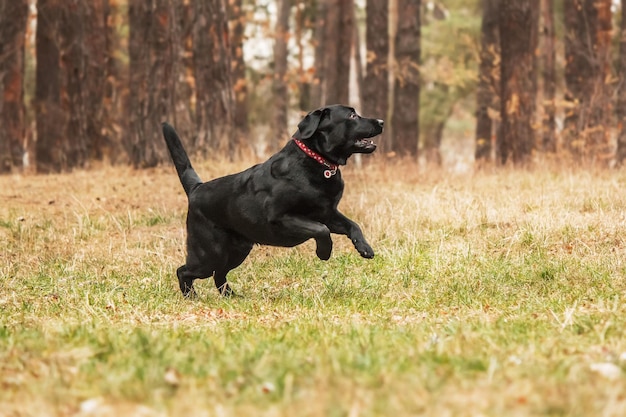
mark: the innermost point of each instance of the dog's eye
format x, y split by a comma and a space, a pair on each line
353, 115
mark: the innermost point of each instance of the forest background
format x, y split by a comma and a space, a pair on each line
459, 82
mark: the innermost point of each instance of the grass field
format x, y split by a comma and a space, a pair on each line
494, 294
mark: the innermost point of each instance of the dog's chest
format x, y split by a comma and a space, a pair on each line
322, 187
300, 182
316, 199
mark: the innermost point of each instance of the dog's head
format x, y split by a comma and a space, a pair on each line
337, 131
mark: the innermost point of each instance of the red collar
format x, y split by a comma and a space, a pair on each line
332, 168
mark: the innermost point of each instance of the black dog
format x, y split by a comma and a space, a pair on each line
290, 198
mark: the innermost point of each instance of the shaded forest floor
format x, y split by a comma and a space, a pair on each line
493, 293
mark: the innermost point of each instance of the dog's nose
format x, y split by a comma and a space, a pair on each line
381, 122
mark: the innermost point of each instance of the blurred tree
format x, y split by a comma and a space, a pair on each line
405, 124
304, 22
82, 35
94, 56
535, 15
333, 50
13, 18
212, 66
152, 79
376, 83
238, 19
517, 99
71, 69
621, 90
69, 110
71, 35
115, 100
182, 44
587, 78
488, 89
318, 94
548, 53
280, 90
301, 21
339, 90
356, 64
51, 144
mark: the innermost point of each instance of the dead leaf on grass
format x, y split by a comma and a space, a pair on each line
172, 377
607, 369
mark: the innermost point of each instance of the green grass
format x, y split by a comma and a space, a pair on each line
490, 295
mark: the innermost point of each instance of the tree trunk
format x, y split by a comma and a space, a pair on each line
280, 91
214, 95
337, 51
303, 22
602, 112
621, 91
517, 84
152, 79
587, 68
71, 68
376, 83
51, 144
318, 90
334, 38
356, 62
340, 92
13, 18
115, 105
182, 44
72, 32
577, 70
548, 140
331, 52
406, 73
240, 85
95, 61
488, 89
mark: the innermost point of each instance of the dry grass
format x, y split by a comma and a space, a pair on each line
494, 293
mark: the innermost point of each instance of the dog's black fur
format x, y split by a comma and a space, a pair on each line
281, 202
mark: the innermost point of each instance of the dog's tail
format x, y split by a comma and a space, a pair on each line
188, 176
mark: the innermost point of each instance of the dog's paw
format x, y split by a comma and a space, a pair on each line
323, 251
364, 249
190, 294
226, 291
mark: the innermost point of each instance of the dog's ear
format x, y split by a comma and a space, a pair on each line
309, 124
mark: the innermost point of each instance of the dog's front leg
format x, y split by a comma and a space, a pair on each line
342, 225
302, 228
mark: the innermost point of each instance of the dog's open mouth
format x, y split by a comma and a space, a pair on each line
365, 145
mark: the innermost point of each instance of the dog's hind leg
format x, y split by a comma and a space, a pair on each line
205, 253
237, 253
185, 281
222, 284
211, 252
